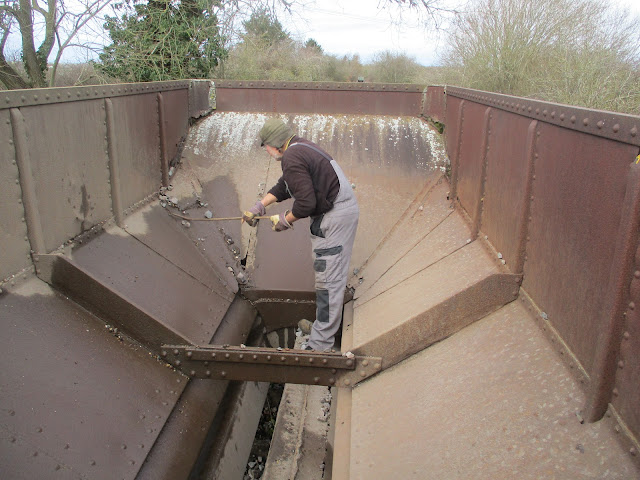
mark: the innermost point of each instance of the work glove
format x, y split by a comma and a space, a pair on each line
280, 222
250, 215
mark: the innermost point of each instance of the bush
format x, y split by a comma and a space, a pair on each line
579, 52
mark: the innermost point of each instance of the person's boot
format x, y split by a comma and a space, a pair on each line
305, 326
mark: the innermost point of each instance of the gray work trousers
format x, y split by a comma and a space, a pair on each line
332, 236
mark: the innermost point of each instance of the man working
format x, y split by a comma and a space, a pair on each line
321, 191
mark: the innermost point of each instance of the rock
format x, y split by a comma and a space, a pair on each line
174, 200
208, 214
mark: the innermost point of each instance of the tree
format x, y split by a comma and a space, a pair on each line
389, 67
264, 29
581, 52
52, 21
162, 40
311, 44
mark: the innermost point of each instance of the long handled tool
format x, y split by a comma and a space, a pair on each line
212, 219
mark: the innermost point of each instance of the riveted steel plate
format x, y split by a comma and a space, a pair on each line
425, 289
615, 126
429, 231
280, 365
434, 103
153, 283
492, 401
342, 86
71, 177
43, 96
166, 236
176, 121
73, 393
575, 215
471, 159
138, 155
321, 98
14, 254
506, 185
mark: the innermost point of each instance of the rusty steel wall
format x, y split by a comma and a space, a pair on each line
14, 254
74, 157
433, 103
319, 98
555, 190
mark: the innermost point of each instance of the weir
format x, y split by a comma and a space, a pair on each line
492, 329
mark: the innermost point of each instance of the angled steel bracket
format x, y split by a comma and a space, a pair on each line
277, 365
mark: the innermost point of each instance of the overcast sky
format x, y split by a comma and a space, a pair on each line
347, 27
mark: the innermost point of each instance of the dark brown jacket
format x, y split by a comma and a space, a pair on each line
311, 179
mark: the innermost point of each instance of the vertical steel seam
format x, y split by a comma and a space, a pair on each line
114, 166
456, 156
27, 183
486, 131
523, 228
603, 374
164, 162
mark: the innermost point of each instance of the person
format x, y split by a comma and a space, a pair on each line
321, 191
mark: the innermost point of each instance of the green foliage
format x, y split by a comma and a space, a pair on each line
389, 67
580, 52
264, 29
311, 44
162, 40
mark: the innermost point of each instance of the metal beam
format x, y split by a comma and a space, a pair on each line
276, 365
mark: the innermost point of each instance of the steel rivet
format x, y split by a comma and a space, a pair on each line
176, 352
632, 305
311, 360
324, 360
626, 335
164, 353
562, 117
282, 359
363, 373
573, 119
213, 355
347, 382
192, 373
349, 362
636, 274
365, 363
585, 121
616, 392
634, 131
223, 373
600, 124
226, 355
620, 364
178, 363
316, 379
268, 357
632, 451
241, 356
296, 359
208, 373
255, 357
332, 381
377, 366
189, 354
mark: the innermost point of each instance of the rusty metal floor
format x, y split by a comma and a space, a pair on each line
490, 398
492, 401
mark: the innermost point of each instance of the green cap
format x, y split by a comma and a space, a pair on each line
274, 133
